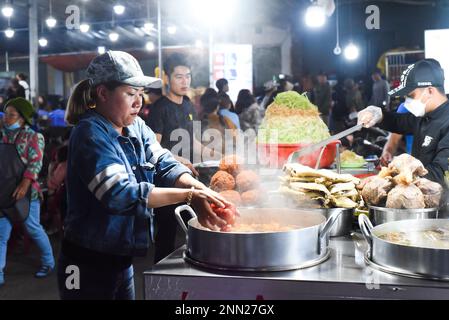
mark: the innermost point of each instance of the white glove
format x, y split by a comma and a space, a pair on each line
370, 116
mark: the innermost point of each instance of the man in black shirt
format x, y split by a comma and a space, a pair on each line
172, 118
423, 85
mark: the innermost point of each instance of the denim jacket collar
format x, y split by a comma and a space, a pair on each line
108, 126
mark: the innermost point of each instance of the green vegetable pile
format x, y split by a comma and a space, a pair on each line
295, 129
292, 118
294, 100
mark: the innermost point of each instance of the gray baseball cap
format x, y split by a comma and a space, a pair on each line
121, 67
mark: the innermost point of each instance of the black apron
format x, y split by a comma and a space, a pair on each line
11, 174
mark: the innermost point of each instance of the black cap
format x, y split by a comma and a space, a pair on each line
424, 73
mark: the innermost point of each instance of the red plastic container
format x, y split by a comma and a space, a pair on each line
276, 155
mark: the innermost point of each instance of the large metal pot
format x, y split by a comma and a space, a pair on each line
405, 260
343, 225
381, 215
302, 247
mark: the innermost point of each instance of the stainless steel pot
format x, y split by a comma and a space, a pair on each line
343, 225
381, 215
410, 261
260, 251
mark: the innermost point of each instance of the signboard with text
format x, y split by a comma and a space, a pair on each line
233, 62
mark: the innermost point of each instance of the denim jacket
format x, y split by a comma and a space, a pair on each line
109, 180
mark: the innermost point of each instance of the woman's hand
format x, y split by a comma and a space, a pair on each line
21, 189
201, 200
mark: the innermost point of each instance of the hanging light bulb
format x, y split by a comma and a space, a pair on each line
51, 22
43, 42
9, 33
198, 43
101, 49
84, 27
7, 10
337, 50
351, 51
171, 29
315, 16
150, 46
113, 36
119, 9
147, 27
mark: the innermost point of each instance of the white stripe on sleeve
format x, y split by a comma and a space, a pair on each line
110, 183
108, 172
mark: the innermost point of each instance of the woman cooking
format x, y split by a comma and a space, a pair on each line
117, 173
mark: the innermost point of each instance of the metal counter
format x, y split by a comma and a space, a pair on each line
343, 276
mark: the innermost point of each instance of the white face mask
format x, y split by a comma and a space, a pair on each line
415, 106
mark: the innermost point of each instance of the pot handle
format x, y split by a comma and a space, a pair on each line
326, 230
178, 211
366, 226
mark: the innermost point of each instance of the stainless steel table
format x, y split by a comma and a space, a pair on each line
343, 276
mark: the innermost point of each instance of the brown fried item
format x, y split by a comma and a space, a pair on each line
376, 190
405, 197
247, 180
432, 192
222, 181
231, 164
251, 197
232, 196
407, 168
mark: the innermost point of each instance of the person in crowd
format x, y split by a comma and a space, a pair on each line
354, 101
225, 105
42, 104
117, 173
422, 83
305, 86
2, 102
15, 90
22, 78
379, 96
41, 117
20, 145
57, 117
269, 89
250, 113
152, 95
213, 120
57, 172
172, 112
322, 93
223, 88
340, 111
207, 93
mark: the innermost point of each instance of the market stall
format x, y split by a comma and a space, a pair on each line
344, 275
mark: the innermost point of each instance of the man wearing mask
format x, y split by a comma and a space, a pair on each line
422, 84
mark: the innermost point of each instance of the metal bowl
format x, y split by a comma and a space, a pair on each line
381, 215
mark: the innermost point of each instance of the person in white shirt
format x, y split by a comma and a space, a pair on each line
22, 78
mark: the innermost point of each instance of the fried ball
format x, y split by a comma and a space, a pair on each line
222, 181
232, 196
250, 197
247, 180
231, 164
